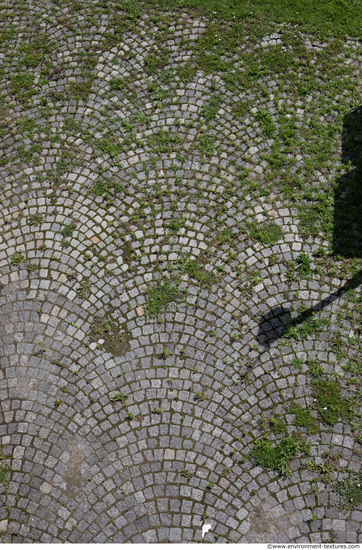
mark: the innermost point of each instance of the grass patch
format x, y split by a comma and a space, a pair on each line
277, 426
210, 109
313, 217
339, 17
156, 60
35, 219
276, 457
266, 122
164, 141
80, 90
297, 362
311, 325
100, 188
117, 84
160, 296
350, 490
226, 236
303, 266
331, 406
110, 145
35, 51
207, 145
197, 271
118, 397
21, 86
186, 72
304, 419
240, 109
269, 233
175, 225
68, 230
105, 187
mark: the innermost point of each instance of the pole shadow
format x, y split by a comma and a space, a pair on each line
347, 232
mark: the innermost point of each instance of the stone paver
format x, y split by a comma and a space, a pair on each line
120, 426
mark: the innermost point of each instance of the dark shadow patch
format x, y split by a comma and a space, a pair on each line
347, 233
347, 226
272, 325
277, 322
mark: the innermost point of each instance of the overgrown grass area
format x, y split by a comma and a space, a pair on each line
340, 17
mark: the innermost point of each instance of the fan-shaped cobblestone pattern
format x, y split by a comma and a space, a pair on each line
138, 168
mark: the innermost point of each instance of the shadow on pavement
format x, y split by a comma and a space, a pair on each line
347, 232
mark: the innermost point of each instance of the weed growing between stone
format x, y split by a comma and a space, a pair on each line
178, 193
4, 470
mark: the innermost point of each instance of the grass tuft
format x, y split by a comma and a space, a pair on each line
275, 457
269, 233
160, 296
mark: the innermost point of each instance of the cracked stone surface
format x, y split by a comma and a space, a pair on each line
123, 161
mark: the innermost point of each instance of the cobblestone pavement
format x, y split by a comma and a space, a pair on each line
151, 270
